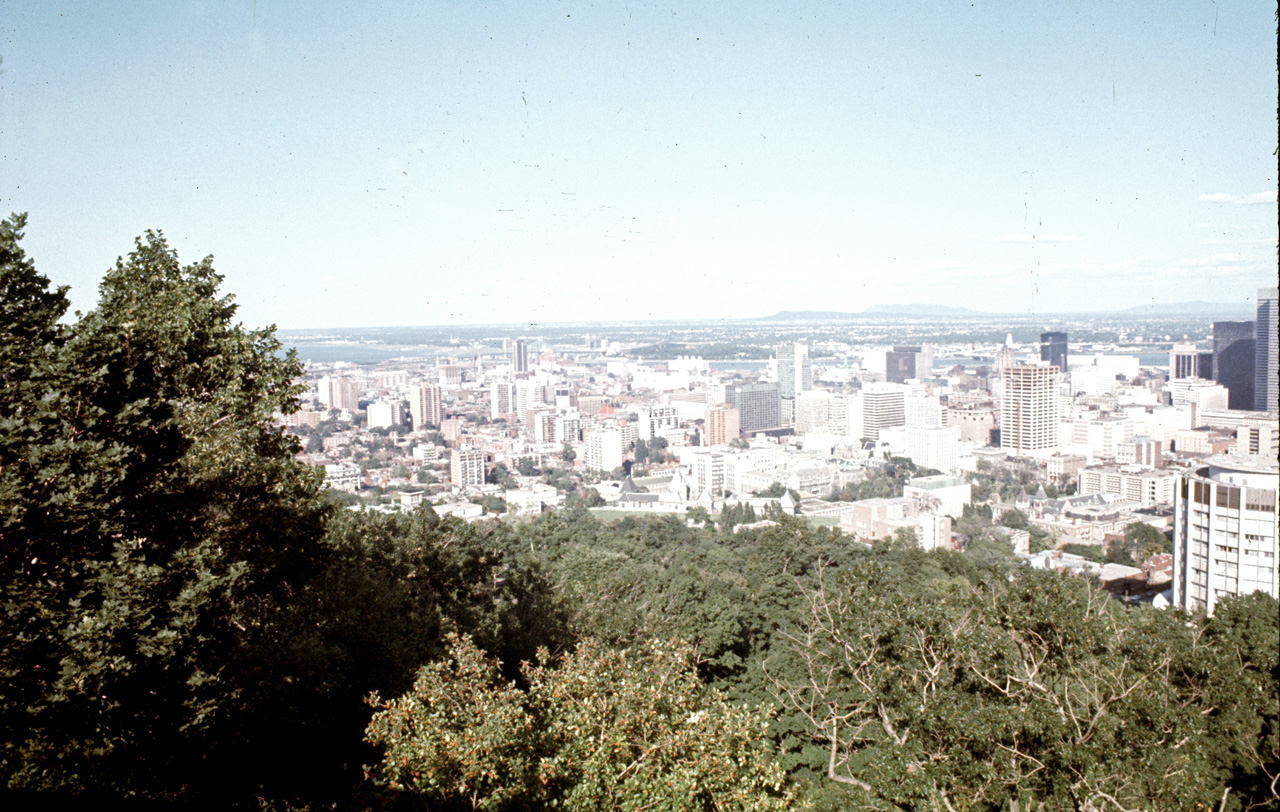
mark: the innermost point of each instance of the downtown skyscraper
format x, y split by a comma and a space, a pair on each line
1265, 389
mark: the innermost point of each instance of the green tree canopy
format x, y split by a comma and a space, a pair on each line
154, 522
602, 729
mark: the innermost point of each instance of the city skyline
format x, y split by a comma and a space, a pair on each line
563, 162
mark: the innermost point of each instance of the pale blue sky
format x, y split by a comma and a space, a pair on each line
469, 162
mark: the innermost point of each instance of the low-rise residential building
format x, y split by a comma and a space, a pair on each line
1148, 487
947, 494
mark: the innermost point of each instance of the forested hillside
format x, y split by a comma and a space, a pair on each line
188, 622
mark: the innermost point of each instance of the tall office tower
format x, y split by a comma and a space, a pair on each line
1053, 348
1265, 390
795, 375
883, 407
1233, 350
908, 363
425, 406
722, 424
1206, 366
1225, 539
757, 405
520, 356
899, 365
1184, 361
1029, 410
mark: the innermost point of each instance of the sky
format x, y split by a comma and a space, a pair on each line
465, 162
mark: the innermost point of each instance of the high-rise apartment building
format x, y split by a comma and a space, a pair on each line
722, 424
500, 399
520, 356
426, 407
466, 467
602, 449
529, 394
385, 414
1225, 539
1265, 389
656, 420
1053, 348
1233, 357
338, 393
1029, 410
757, 405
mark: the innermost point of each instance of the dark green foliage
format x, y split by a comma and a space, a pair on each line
1090, 551
885, 482
1141, 541
1015, 519
154, 524
630, 729
1241, 678
986, 693
184, 616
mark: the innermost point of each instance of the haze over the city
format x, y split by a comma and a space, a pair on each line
475, 163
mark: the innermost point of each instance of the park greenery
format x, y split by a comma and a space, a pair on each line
188, 622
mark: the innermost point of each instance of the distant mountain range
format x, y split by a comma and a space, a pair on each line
1191, 309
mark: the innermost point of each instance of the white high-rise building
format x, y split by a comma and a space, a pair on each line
708, 471
1184, 361
466, 467
529, 393
1225, 539
656, 420
500, 399
883, 407
338, 393
602, 449
813, 411
1029, 410
795, 375
924, 410
385, 414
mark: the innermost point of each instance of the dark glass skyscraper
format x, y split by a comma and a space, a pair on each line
520, 356
1053, 348
1233, 350
1264, 352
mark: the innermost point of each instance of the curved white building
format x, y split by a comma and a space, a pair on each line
1225, 539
